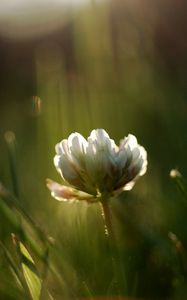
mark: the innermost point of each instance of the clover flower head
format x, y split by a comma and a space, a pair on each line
97, 166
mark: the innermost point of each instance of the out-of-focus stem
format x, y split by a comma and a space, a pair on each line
109, 231
180, 183
11, 145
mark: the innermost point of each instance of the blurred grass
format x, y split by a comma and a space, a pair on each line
106, 69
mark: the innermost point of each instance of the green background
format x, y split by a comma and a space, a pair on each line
121, 67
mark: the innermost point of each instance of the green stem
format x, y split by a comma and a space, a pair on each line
106, 213
116, 261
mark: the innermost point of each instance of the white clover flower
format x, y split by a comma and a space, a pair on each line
97, 166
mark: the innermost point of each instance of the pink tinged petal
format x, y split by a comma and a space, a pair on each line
58, 191
65, 193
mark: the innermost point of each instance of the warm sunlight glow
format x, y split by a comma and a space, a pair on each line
21, 18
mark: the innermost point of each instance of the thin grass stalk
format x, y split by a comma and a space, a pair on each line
12, 154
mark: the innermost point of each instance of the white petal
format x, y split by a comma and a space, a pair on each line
144, 169
62, 147
77, 144
65, 193
130, 141
102, 142
135, 168
99, 135
57, 160
129, 186
145, 162
100, 154
58, 149
122, 158
67, 170
143, 152
136, 152
139, 162
91, 161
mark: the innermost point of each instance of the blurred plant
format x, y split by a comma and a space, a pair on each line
180, 183
26, 235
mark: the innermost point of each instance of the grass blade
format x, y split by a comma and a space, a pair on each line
30, 273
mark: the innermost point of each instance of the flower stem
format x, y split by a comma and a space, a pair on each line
106, 213
120, 277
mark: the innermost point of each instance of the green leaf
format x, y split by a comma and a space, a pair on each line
30, 273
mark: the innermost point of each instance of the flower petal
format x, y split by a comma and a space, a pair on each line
139, 161
77, 144
130, 140
67, 170
99, 135
65, 193
100, 159
129, 185
61, 147
97, 165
